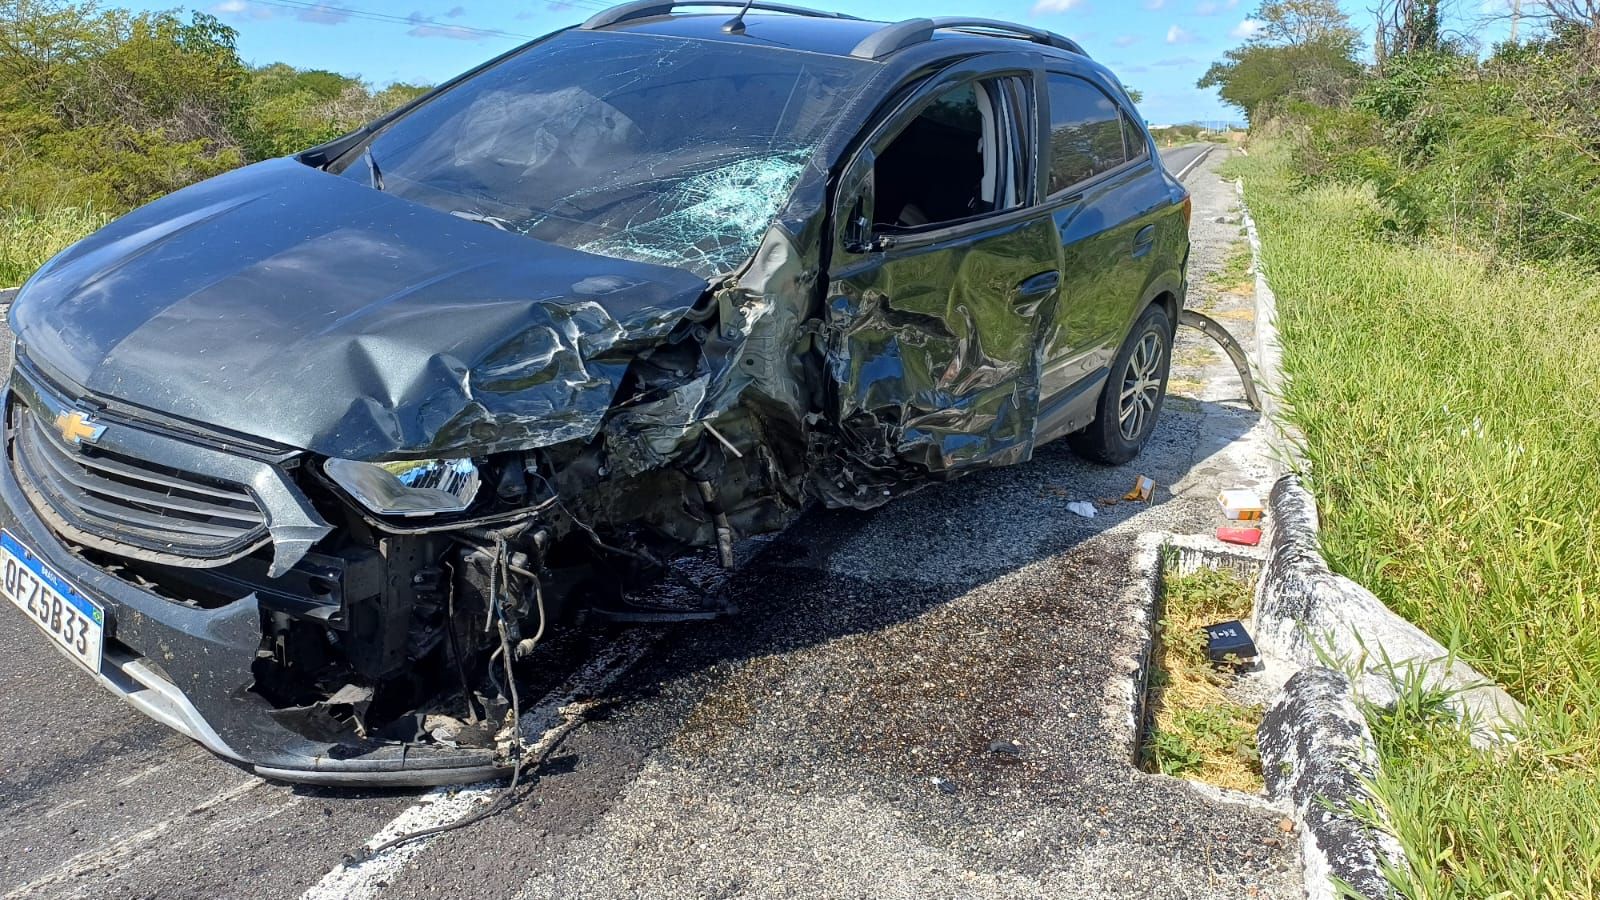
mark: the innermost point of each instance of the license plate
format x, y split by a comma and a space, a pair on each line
71, 619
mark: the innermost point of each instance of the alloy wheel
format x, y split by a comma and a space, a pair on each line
1141, 386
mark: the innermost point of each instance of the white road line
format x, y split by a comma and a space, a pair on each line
121, 850
551, 719
1199, 158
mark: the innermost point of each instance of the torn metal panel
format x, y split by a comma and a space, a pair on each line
936, 357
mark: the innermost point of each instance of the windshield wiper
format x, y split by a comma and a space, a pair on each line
372, 168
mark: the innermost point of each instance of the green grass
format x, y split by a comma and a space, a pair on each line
1451, 412
29, 238
1196, 730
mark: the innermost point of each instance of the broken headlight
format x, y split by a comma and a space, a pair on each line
417, 487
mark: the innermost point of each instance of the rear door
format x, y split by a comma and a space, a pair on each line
1105, 204
944, 273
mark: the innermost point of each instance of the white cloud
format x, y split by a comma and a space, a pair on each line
1176, 35
1207, 8
241, 8
1245, 29
1056, 6
1127, 40
323, 14
1154, 4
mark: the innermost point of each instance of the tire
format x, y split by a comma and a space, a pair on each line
1112, 438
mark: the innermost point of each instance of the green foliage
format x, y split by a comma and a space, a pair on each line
104, 109
288, 109
1502, 154
27, 239
1303, 50
1259, 79
1445, 401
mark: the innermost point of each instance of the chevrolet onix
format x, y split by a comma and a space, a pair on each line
304, 460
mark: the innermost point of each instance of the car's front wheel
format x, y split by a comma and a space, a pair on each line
1131, 400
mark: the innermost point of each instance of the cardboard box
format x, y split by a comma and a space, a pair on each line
1241, 505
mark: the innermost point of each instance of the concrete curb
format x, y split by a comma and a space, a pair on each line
1309, 615
1317, 755
1283, 438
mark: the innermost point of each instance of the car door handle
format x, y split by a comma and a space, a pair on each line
1033, 291
1037, 287
1144, 240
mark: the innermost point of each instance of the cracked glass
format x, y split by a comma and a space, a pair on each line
654, 149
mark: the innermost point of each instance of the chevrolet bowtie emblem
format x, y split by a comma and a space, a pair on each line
75, 427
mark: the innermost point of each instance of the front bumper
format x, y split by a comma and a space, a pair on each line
190, 669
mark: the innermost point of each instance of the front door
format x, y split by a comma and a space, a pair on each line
943, 275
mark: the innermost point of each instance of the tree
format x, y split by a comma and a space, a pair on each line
1304, 50
1296, 23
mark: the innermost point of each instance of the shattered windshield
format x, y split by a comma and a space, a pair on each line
660, 150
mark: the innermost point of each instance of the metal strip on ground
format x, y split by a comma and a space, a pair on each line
552, 719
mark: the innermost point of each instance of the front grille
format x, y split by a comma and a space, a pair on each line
116, 503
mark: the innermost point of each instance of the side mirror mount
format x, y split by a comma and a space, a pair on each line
856, 206
858, 228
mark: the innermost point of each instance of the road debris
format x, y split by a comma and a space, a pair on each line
1144, 488
1242, 505
1081, 508
1229, 643
1248, 537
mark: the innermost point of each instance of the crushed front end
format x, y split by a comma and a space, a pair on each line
252, 603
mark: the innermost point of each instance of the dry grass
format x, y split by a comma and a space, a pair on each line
1197, 730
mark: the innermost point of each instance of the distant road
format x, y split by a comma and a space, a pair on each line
1178, 158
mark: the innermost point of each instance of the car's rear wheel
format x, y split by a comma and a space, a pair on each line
1130, 402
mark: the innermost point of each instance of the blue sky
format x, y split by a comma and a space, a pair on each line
1158, 46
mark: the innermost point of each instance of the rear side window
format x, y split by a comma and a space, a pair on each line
1085, 132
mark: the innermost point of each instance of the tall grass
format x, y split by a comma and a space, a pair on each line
1451, 413
28, 238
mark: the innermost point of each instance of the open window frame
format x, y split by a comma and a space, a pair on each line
1019, 112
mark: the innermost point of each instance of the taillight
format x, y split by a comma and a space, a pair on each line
1188, 209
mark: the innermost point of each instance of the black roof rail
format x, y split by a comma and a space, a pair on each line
643, 9
901, 35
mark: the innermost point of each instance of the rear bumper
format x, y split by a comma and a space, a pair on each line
190, 669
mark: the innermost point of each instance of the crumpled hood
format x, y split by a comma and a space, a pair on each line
304, 308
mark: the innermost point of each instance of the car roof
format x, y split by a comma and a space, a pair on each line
794, 28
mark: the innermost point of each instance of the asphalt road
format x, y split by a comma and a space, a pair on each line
1178, 159
834, 739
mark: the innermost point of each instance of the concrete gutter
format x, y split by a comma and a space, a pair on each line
1346, 648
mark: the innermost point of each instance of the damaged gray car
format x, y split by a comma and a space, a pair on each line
304, 460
